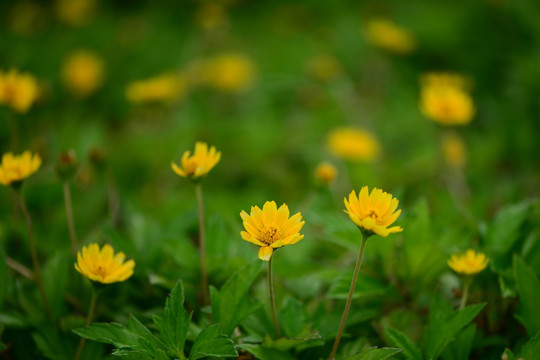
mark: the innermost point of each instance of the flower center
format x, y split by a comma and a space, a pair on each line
270, 235
101, 271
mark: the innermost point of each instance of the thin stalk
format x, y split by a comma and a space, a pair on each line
91, 310
35, 261
465, 295
69, 217
272, 302
202, 244
20, 268
349, 298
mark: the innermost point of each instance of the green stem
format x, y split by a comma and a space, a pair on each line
272, 302
465, 295
202, 244
33, 251
91, 310
349, 298
69, 217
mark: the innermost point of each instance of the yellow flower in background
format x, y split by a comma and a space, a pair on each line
75, 12
16, 168
454, 150
325, 172
271, 228
469, 263
210, 16
324, 67
353, 144
83, 72
445, 79
18, 90
103, 265
446, 104
385, 34
165, 88
229, 72
199, 164
373, 212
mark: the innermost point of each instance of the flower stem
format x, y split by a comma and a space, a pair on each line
349, 298
69, 217
465, 295
93, 298
35, 261
272, 302
202, 244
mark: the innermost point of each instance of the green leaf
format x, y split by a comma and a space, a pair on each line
55, 281
306, 338
173, 325
375, 354
529, 292
532, 348
51, 345
444, 328
508, 355
211, 343
113, 333
147, 341
263, 353
292, 317
410, 350
462, 346
231, 303
366, 287
161, 355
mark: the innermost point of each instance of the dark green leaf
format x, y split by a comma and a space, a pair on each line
161, 355
529, 292
263, 353
292, 317
113, 333
55, 281
211, 343
462, 346
304, 339
147, 341
375, 354
51, 345
410, 350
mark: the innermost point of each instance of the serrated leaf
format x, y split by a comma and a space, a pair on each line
211, 342
410, 350
529, 292
173, 325
375, 354
531, 349
263, 353
147, 341
161, 355
112, 333
231, 303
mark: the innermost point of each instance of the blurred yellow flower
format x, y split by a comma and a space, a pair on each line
210, 16
83, 72
325, 172
353, 144
164, 88
229, 72
75, 12
469, 263
271, 228
18, 90
385, 34
324, 67
373, 212
199, 164
15, 169
445, 79
454, 150
103, 265
446, 104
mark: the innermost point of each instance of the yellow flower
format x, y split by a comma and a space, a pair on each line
446, 102
229, 72
454, 150
445, 79
325, 172
102, 265
18, 90
469, 263
210, 16
82, 72
199, 164
324, 67
75, 12
271, 228
164, 88
15, 169
373, 212
387, 35
353, 144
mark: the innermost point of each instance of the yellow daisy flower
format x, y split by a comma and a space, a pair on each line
447, 104
83, 72
168, 87
386, 35
103, 265
353, 144
16, 168
271, 228
199, 164
373, 212
469, 263
230, 72
325, 172
18, 90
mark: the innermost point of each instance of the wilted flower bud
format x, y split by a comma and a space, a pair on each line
97, 158
66, 166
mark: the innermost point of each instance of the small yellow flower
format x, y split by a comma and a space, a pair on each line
18, 90
103, 265
199, 164
325, 172
469, 263
324, 67
353, 144
445, 79
75, 12
271, 228
83, 72
446, 104
229, 72
210, 16
386, 35
164, 88
15, 169
373, 212
454, 150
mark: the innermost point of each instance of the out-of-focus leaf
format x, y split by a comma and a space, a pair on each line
55, 280
304, 339
531, 349
263, 353
529, 292
410, 350
147, 341
292, 317
375, 354
161, 355
462, 346
231, 304
113, 333
508, 355
366, 287
51, 345
211, 342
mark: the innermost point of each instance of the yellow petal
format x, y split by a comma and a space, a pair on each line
265, 253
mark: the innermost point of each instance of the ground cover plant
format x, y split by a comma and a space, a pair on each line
269, 180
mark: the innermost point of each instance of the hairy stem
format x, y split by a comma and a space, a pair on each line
69, 217
272, 301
